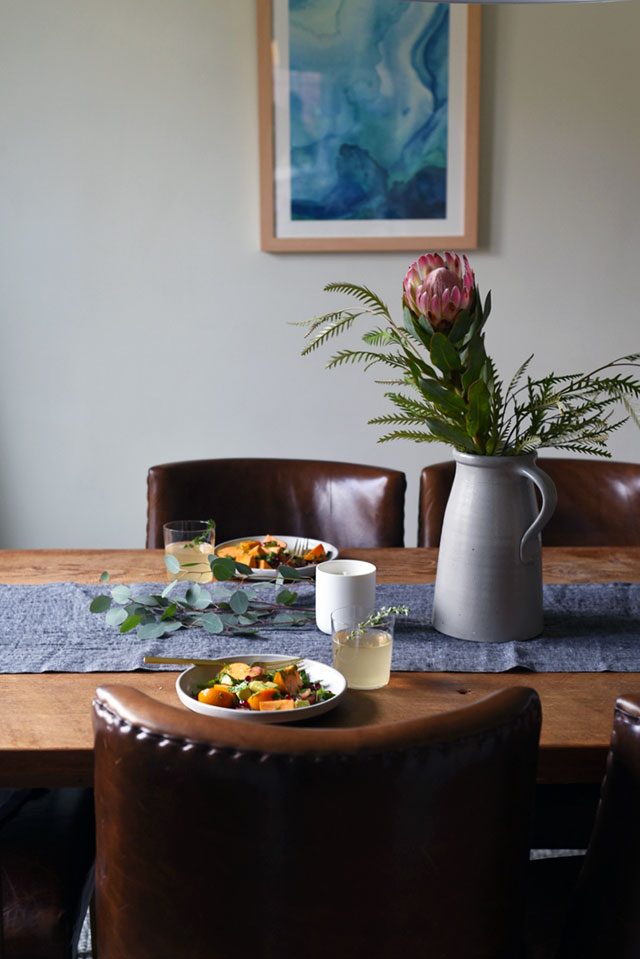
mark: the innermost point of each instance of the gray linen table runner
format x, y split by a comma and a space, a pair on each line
588, 628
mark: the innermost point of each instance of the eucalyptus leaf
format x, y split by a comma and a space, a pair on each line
121, 594
239, 601
152, 630
243, 569
222, 568
289, 572
104, 577
172, 563
285, 619
115, 616
286, 597
212, 623
169, 611
146, 599
130, 623
197, 597
222, 594
169, 589
99, 604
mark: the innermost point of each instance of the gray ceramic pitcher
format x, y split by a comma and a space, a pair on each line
489, 578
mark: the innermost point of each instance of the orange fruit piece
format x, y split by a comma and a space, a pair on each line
265, 695
218, 696
277, 704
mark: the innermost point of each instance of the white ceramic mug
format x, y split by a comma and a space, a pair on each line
343, 582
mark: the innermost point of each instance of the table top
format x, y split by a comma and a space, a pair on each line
46, 737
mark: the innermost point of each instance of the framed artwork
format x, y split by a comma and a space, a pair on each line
368, 124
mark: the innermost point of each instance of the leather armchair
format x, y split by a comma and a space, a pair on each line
406, 839
46, 872
342, 503
598, 502
605, 918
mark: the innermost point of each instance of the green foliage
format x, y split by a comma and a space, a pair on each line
234, 612
461, 399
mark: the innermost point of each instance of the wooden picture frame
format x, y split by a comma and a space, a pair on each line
296, 181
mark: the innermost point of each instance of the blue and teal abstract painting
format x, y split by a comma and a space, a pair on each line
368, 109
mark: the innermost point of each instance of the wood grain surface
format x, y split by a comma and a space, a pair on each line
45, 719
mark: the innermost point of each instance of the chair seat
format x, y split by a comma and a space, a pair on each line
47, 852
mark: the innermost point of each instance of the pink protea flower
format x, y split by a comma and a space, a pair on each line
438, 286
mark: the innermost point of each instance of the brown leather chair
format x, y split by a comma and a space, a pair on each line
46, 872
605, 918
587, 907
341, 503
598, 502
405, 839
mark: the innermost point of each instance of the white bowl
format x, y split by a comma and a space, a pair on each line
310, 570
194, 678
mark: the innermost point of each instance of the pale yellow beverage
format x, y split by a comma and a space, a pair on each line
193, 556
363, 656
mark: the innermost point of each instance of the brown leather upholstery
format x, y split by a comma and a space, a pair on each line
342, 503
46, 873
598, 502
605, 920
218, 837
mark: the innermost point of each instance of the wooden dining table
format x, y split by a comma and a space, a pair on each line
46, 735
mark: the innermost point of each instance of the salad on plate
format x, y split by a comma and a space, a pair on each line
265, 554
262, 689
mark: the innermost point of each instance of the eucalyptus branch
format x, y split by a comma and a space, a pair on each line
237, 612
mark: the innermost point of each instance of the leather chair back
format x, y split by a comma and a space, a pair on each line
598, 502
341, 503
405, 839
605, 919
46, 872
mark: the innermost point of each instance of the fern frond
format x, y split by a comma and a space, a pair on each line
362, 293
368, 357
396, 419
320, 319
330, 330
416, 436
631, 410
354, 356
378, 337
517, 376
412, 406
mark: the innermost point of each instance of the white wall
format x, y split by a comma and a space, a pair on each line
140, 322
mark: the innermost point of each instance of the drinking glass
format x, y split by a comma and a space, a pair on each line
191, 541
362, 651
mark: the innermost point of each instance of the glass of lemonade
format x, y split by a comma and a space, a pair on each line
191, 541
362, 652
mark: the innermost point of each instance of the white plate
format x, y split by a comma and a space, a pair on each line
330, 550
197, 676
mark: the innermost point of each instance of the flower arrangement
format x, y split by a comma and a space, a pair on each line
446, 388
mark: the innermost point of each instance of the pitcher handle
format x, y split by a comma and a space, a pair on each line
549, 499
